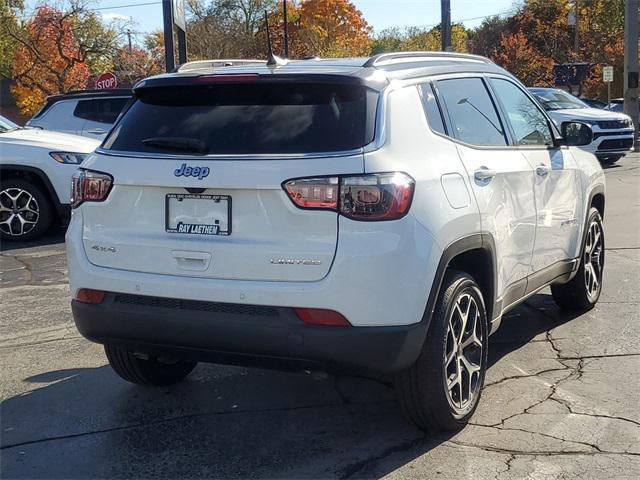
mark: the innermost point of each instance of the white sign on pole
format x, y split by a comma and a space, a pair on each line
178, 14
607, 74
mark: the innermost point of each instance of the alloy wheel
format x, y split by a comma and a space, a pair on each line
19, 212
463, 353
593, 260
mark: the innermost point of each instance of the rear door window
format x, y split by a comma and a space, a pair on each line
473, 116
248, 118
102, 110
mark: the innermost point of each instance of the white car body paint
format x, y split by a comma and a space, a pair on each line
373, 273
30, 147
592, 116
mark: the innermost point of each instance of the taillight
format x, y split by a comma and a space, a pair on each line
314, 192
320, 316
88, 295
89, 186
377, 196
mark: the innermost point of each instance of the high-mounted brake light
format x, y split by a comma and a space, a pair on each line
320, 316
377, 196
89, 186
241, 77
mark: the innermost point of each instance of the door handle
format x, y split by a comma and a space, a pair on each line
542, 170
484, 174
96, 131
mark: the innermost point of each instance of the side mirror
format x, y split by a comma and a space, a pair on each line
576, 134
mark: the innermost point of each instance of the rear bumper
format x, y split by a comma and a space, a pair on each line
270, 337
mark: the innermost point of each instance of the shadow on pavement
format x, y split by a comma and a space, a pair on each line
53, 237
224, 422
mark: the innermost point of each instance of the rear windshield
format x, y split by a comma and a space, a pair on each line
247, 119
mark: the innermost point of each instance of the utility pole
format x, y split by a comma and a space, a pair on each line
631, 65
286, 29
130, 47
169, 55
445, 24
576, 31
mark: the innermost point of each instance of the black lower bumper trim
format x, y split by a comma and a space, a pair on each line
269, 337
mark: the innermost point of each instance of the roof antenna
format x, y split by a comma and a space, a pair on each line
272, 60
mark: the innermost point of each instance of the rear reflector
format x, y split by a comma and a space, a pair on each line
377, 196
319, 316
87, 295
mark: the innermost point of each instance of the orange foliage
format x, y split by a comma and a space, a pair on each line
326, 28
46, 61
334, 28
518, 57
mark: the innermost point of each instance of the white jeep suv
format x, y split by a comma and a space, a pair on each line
36, 166
375, 215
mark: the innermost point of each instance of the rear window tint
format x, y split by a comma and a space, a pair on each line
103, 110
247, 119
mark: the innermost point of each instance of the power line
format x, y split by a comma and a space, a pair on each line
124, 6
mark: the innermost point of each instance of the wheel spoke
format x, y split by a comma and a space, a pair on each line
470, 367
452, 382
448, 358
8, 223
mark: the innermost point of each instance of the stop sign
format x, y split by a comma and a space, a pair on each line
106, 81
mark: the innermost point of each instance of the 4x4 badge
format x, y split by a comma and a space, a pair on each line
184, 171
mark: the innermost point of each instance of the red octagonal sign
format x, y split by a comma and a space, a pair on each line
106, 81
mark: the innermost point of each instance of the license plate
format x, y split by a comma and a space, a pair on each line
196, 214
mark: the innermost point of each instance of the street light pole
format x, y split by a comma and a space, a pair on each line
631, 65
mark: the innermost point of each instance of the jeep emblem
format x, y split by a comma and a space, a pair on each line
184, 171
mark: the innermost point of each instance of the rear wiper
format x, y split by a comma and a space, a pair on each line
177, 144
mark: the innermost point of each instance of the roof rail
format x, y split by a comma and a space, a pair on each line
412, 56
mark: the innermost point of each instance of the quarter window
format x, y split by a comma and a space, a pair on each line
471, 111
431, 109
529, 124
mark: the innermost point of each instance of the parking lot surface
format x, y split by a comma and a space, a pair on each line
562, 398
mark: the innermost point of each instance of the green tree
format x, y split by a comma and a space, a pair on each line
419, 39
9, 12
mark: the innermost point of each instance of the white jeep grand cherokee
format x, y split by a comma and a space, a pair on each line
374, 215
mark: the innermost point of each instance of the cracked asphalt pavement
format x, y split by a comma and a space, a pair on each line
561, 400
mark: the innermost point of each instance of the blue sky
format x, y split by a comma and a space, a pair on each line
380, 14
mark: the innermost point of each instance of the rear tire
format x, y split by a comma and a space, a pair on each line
441, 390
582, 292
149, 372
25, 210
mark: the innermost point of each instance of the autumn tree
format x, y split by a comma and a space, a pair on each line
226, 28
133, 65
46, 60
520, 58
485, 39
419, 39
544, 26
56, 51
333, 28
